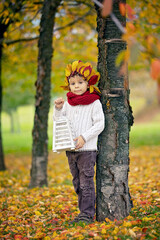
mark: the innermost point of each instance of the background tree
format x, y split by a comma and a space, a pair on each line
113, 197
7, 16
43, 85
142, 36
12, 13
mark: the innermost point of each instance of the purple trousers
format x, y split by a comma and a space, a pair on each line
82, 169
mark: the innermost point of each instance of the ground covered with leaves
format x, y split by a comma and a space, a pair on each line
45, 213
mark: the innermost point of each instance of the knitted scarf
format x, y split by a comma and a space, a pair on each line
84, 99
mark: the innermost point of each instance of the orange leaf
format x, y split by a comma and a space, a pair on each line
155, 69
107, 8
18, 237
122, 8
130, 12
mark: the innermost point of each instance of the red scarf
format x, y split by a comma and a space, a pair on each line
84, 99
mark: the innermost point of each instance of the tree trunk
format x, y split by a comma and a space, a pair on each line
113, 197
11, 121
158, 92
2, 163
43, 85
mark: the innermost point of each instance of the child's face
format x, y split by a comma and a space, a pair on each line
77, 85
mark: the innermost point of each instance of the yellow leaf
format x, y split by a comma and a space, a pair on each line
12, 218
103, 231
66, 81
97, 89
116, 230
81, 70
91, 89
80, 64
124, 231
132, 233
46, 194
47, 238
5, 34
37, 213
108, 220
54, 234
147, 219
4, 45
86, 73
68, 70
74, 65
7, 20
127, 224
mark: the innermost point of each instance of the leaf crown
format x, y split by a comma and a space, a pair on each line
86, 71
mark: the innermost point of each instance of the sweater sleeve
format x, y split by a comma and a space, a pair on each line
98, 122
59, 113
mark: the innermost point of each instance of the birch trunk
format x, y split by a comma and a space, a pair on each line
43, 85
113, 197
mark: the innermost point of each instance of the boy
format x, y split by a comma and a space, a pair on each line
85, 114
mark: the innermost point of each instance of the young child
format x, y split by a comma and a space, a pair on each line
85, 114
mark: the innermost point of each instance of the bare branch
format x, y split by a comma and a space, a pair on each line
36, 14
9, 42
78, 3
73, 22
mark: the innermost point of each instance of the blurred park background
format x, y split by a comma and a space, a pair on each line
43, 213
17, 126
78, 41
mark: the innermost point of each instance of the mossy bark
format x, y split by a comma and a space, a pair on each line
113, 197
43, 86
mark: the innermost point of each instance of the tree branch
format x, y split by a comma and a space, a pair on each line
9, 42
73, 22
79, 2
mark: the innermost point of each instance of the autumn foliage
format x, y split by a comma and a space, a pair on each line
45, 213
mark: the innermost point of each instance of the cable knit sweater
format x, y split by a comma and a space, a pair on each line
85, 120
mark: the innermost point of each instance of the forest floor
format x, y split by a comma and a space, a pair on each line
44, 213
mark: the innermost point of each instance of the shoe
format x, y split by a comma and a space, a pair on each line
75, 220
82, 217
85, 218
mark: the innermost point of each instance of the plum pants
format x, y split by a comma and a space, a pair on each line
82, 169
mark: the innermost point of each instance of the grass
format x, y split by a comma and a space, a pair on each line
145, 134
21, 142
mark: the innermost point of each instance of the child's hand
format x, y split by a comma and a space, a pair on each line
59, 103
80, 142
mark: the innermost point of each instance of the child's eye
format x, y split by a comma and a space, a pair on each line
80, 82
72, 83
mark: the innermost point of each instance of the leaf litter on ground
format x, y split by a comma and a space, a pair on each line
45, 213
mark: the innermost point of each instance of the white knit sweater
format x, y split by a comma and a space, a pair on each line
85, 120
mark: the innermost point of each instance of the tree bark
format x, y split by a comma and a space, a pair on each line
2, 163
113, 197
43, 85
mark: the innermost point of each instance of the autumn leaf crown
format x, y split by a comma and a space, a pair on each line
86, 71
